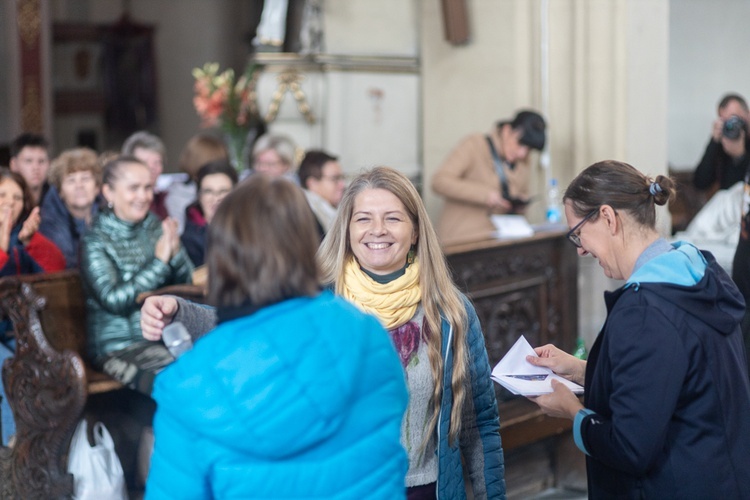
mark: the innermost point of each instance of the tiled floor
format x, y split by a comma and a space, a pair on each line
559, 494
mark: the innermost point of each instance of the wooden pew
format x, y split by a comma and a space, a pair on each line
527, 287
48, 380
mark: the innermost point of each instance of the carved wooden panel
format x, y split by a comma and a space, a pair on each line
525, 287
45, 411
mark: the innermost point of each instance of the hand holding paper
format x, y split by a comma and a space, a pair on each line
519, 376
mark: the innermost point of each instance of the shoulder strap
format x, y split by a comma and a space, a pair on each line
499, 168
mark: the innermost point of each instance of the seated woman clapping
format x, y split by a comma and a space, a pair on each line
128, 251
296, 393
71, 203
23, 250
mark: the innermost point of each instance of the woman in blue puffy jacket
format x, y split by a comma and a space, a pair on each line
295, 393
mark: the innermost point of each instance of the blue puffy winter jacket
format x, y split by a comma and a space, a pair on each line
300, 399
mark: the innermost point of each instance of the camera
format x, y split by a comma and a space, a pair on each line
733, 126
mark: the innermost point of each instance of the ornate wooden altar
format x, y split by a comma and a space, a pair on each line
527, 287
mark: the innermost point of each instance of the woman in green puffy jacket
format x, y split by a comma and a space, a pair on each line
128, 251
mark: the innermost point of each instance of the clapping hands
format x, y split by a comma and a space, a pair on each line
30, 226
169, 243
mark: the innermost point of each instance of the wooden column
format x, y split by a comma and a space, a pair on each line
29, 20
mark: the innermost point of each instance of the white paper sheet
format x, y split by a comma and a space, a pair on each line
512, 226
536, 380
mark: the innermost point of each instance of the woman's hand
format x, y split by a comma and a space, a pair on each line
717, 129
561, 403
30, 226
6, 226
169, 242
173, 229
157, 312
560, 362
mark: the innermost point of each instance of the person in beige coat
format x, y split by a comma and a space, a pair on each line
485, 175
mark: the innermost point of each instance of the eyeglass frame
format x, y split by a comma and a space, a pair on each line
214, 194
334, 178
572, 236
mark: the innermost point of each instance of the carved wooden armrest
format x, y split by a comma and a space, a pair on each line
47, 391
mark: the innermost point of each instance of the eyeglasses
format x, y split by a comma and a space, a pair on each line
334, 178
573, 235
214, 194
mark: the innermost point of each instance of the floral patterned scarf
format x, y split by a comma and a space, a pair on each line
393, 303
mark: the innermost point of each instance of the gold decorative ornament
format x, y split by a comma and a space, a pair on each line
289, 81
29, 21
31, 112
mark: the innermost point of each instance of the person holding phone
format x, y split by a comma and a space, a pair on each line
487, 174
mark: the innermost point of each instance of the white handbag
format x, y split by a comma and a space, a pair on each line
96, 469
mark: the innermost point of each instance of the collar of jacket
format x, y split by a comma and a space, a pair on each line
113, 224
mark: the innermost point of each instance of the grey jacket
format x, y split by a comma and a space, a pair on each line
118, 264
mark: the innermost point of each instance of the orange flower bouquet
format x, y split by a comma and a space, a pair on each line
228, 104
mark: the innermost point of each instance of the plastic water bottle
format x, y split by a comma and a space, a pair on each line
580, 352
177, 339
554, 210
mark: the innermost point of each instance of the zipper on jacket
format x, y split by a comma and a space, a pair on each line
440, 413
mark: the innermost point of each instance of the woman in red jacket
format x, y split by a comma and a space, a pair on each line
23, 250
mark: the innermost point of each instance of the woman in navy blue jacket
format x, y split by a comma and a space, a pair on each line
667, 400
296, 393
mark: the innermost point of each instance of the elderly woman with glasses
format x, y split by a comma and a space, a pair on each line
665, 414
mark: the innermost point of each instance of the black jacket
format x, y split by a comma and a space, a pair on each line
668, 383
716, 165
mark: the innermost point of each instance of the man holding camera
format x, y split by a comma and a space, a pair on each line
726, 158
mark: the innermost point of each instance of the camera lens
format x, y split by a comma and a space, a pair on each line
732, 127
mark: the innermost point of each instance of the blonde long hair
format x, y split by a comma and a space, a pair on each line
440, 297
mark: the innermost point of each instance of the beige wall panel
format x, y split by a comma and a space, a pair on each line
381, 27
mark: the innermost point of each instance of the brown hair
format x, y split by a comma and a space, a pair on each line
312, 165
74, 160
261, 245
202, 148
113, 168
726, 99
28, 204
622, 187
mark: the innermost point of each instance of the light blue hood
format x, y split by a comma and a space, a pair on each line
684, 266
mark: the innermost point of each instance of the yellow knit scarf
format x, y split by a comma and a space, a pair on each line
393, 303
